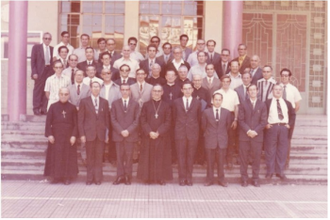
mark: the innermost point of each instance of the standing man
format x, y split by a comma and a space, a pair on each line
266, 84
230, 102
155, 157
111, 46
255, 70
199, 68
124, 70
281, 117
61, 131
156, 40
65, 38
243, 59
125, 120
69, 72
93, 121
182, 73
141, 90
126, 59
90, 70
291, 94
155, 75
242, 89
81, 51
235, 76
223, 68
102, 47
132, 43
187, 115
151, 60
177, 61
216, 122
55, 82
211, 83
200, 93
167, 57
106, 64
78, 90
89, 61
192, 59
41, 69
63, 54
252, 121
212, 56
186, 51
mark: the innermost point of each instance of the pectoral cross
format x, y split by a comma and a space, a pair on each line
156, 115
198, 97
63, 113
171, 96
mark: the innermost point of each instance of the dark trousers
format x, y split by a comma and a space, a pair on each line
200, 152
39, 98
213, 155
276, 148
110, 147
232, 136
94, 153
247, 149
186, 150
124, 152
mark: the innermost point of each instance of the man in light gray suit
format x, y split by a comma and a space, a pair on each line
211, 83
255, 70
141, 90
242, 89
186, 51
216, 122
78, 90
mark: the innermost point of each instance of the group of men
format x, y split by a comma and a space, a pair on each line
175, 104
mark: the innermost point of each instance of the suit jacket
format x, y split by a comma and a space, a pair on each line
144, 64
82, 65
90, 124
171, 66
74, 97
246, 63
218, 69
143, 96
291, 114
186, 123
38, 59
240, 93
64, 66
114, 72
187, 52
216, 85
252, 119
114, 93
216, 133
257, 75
215, 59
130, 81
122, 120
162, 58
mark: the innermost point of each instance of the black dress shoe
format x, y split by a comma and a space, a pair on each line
208, 183
89, 183
223, 183
36, 112
244, 183
256, 183
282, 176
182, 183
67, 182
268, 176
161, 182
119, 180
127, 181
98, 183
189, 183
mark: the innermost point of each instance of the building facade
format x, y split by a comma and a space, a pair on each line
290, 34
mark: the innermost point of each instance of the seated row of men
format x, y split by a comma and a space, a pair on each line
174, 115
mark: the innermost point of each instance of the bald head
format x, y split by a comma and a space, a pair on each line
255, 61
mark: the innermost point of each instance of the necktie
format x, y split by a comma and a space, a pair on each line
141, 88
125, 106
246, 94
251, 72
78, 90
166, 58
279, 110
211, 58
124, 81
151, 63
47, 56
223, 68
210, 81
284, 92
72, 76
96, 108
187, 105
90, 83
217, 115
252, 103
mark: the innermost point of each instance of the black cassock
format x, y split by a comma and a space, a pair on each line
61, 159
155, 155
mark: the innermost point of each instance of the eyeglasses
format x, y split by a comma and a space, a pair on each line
107, 73
155, 41
167, 48
209, 69
73, 60
157, 90
132, 44
47, 38
64, 94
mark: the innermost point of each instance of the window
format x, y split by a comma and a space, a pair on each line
169, 19
95, 18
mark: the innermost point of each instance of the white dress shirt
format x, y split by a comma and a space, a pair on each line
215, 112
177, 65
55, 52
185, 101
45, 51
132, 63
88, 80
230, 99
292, 94
273, 113
236, 81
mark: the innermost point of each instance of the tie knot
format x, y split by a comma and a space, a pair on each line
277, 100
217, 110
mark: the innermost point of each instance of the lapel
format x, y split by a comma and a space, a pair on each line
192, 103
42, 51
91, 105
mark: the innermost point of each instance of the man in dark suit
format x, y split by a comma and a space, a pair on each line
182, 76
106, 64
212, 56
89, 53
223, 67
78, 90
252, 121
93, 121
216, 122
124, 70
281, 117
41, 69
255, 70
63, 53
243, 59
124, 120
177, 61
242, 89
186, 114
186, 51
147, 63
111, 46
167, 57
211, 83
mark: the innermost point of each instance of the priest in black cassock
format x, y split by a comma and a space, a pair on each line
155, 156
155, 75
61, 131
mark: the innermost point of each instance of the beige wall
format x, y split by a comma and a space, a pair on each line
131, 20
213, 11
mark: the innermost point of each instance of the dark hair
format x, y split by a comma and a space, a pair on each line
129, 68
90, 66
287, 70
225, 49
105, 53
73, 55
125, 84
155, 37
139, 70
56, 62
242, 45
247, 73
248, 88
184, 35
225, 77
209, 65
207, 42
132, 38
151, 45
167, 43
186, 83
100, 40
90, 85
61, 47
64, 33
89, 48
198, 52
170, 70
233, 62
267, 66
84, 35
217, 93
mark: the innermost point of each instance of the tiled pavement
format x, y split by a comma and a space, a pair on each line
33, 199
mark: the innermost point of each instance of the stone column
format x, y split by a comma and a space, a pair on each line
232, 27
17, 50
